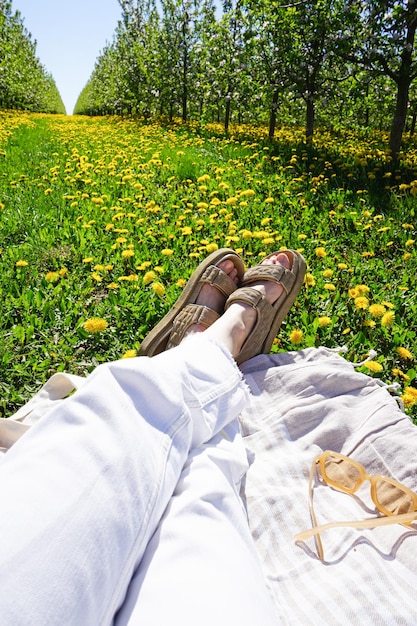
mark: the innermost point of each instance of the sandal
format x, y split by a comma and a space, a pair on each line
269, 316
170, 331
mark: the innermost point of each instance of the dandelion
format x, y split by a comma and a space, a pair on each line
296, 336
324, 320
129, 354
328, 273
388, 319
95, 325
397, 372
158, 288
407, 256
320, 252
167, 252
330, 287
309, 280
362, 290
409, 242
88, 259
404, 353
181, 282
21, 263
409, 397
127, 253
361, 302
51, 277
113, 286
377, 310
373, 366
149, 277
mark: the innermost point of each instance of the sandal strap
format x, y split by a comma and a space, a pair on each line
274, 273
265, 313
217, 278
190, 315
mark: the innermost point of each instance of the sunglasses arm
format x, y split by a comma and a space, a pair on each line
405, 518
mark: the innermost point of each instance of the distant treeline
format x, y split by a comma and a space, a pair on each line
24, 82
343, 63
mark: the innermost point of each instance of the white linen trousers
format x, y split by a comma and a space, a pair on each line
121, 505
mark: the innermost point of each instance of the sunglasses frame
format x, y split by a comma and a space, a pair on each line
389, 518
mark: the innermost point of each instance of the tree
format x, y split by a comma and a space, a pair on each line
380, 36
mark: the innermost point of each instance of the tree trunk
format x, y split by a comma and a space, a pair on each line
413, 122
227, 114
310, 115
273, 114
400, 115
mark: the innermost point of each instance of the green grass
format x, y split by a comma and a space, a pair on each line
111, 216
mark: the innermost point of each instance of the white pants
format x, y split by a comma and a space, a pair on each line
121, 505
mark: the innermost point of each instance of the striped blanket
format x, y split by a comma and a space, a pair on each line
303, 403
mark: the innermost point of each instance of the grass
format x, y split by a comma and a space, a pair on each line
106, 218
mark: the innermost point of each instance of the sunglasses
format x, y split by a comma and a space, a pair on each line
395, 501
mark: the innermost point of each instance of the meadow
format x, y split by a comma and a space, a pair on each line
102, 221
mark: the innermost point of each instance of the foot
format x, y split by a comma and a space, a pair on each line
211, 297
235, 325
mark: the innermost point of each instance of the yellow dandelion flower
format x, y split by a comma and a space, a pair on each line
63, 271
388, 319
158, 288
397, 372
231, 200
296, 336
342, 266
373, 366
369, 323
327, 273
21, 263
127, 253
95, 325
404, 353
409, 397
181, 282
346, 331
113, 286
389, 305
167, 252
361, 302
320, 252
362, 290
88, 259
212, 247
324, 320
352, 292
330, 287
309, 280
51, 277
407, 256
377, 310
247, 193
186, 230
302, 237
149, 277
129, 354
410, 242
97, 277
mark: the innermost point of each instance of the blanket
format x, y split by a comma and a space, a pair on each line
303, 403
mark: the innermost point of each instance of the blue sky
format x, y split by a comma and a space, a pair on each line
70, 35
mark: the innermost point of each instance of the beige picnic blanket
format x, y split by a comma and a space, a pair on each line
303, 403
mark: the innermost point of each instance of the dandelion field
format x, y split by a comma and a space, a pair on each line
102, 221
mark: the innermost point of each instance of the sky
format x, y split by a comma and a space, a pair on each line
70, 35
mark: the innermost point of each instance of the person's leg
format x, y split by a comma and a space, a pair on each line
201, 564
84, 489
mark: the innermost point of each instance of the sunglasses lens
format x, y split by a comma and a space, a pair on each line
341, 473
392, 498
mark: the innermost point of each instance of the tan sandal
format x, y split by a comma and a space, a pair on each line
269, 316
170, 331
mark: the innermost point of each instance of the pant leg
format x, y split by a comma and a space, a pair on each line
83, 491
201, 566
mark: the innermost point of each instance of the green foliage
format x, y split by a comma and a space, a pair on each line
107, 217
24, 82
